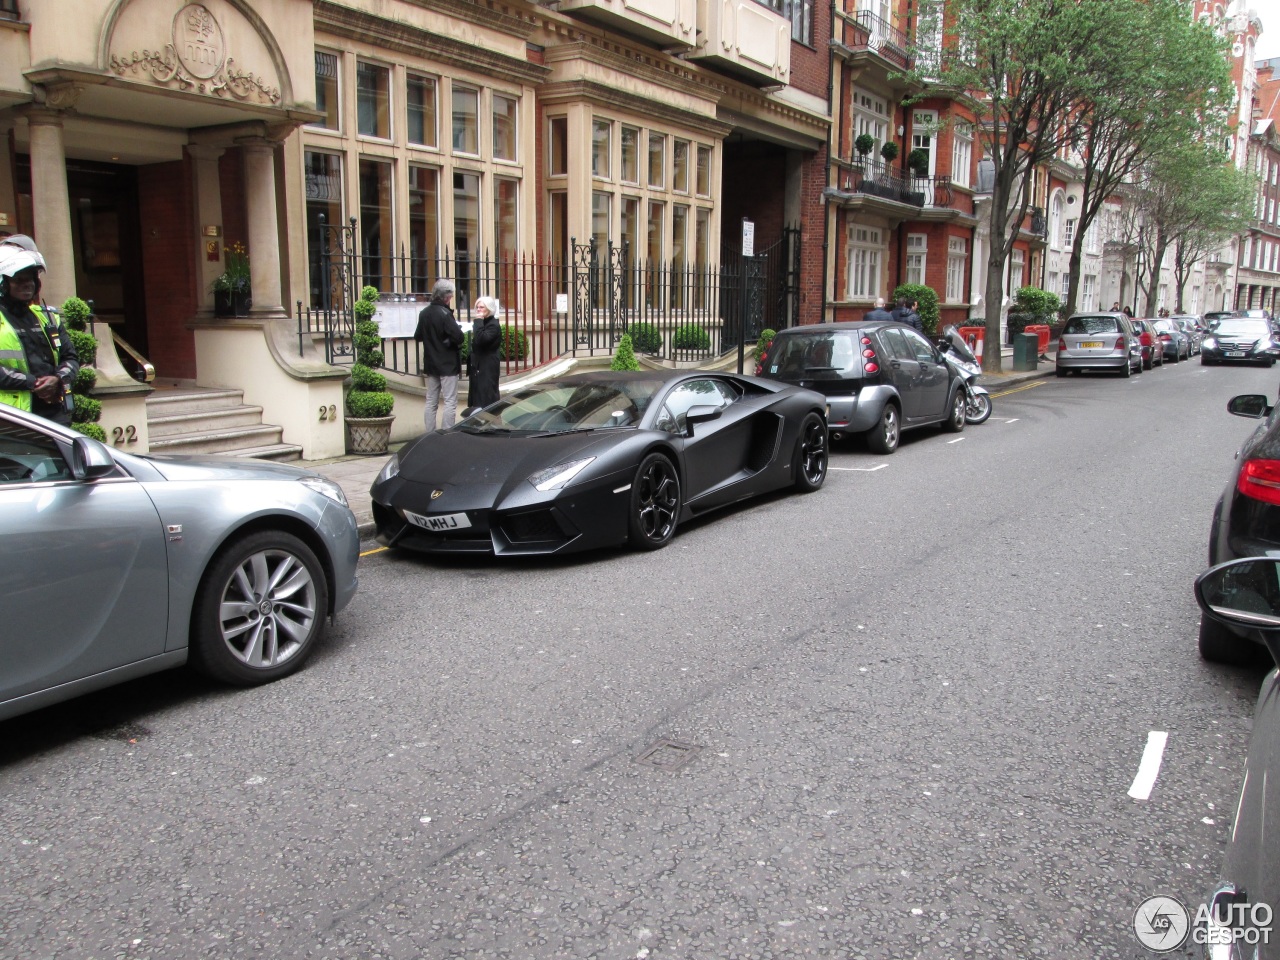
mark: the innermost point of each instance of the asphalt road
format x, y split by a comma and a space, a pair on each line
907, 710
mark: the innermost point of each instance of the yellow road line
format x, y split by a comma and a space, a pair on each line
1028, 386
373, 551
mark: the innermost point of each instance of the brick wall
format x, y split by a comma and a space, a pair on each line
810, 65
165, 211
812, 234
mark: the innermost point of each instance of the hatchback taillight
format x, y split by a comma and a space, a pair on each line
1062, 343
1260, 480
1165, 336
1120, 344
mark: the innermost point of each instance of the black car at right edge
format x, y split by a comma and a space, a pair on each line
1246, 519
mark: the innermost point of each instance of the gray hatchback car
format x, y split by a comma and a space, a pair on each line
879, 378
115, 565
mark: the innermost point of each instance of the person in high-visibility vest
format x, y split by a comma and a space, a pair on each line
38, 361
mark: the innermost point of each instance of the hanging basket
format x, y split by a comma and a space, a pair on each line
368, 435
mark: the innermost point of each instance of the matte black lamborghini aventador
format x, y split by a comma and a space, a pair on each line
599, 459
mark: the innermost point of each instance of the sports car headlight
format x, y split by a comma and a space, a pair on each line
553, 478
326, 487
1209, 342
389, 469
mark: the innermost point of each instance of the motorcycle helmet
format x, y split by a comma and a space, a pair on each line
15, 260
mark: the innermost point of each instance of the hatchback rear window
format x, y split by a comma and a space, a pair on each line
1092, 325
813, 356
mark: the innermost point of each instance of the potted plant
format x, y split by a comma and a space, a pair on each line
369, 402
231, 293
864, 144
889, 151
918, 162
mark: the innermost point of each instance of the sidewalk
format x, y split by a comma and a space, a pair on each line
355, 474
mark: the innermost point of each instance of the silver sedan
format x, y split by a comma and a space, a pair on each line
114, 565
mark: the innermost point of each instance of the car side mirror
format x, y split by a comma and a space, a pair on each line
90, 460
1245, 595
1251, 405
701, 414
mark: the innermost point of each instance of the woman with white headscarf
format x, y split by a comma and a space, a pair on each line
483, 364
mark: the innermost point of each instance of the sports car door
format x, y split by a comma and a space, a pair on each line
715, 456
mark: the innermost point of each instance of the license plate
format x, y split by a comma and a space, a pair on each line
438, 522
1090, 344
1233, 353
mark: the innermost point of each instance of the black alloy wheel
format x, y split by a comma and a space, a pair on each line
655, 503
977, 408
811, 454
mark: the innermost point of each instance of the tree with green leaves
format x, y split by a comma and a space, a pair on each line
1024, 66
1190, 192
1170, 86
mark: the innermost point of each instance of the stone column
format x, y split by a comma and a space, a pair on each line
264, 234
51, 204
208, 213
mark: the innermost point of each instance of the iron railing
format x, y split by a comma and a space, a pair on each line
877, 179
865, 30
549, 309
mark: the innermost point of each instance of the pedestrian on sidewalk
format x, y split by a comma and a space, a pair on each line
483, 363
878, 312
441, 340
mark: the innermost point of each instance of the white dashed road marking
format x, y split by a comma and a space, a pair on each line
879, 466
1149, 767
956, 440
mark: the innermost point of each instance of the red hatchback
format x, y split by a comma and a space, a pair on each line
1152, 349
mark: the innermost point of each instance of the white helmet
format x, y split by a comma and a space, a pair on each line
23, 242
13, 260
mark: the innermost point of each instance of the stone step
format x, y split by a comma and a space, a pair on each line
219, 441
160, 427
280, 452
170, 403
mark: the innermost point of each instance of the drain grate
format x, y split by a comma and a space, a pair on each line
668, 754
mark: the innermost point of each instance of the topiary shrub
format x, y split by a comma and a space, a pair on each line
625, 357
927, 304
645, 338
76, 313
91, 430
864, 144
86, 347
368, 396
86, 377
690, 337
763, 341
87, 410
889, 151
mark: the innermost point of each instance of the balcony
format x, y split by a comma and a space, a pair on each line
863, 32
667, 23
745, 39
874, 179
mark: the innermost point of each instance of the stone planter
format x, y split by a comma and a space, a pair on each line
368, 436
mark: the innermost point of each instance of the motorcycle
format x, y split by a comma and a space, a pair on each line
958, 356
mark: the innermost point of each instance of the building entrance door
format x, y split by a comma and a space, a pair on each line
105, 238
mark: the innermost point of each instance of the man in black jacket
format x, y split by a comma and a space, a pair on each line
441, 340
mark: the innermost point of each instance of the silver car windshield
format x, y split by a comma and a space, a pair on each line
565, 408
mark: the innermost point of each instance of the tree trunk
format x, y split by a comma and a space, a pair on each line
1073, 269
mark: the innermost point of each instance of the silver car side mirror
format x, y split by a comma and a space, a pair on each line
90, 460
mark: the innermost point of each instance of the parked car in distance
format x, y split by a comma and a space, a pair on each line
1256, 313
1175, 343
1246, 518
879, 377
1152, 351
1239, 338
1213, 317
1193, 328
117, 565
1099, 341
1244, 596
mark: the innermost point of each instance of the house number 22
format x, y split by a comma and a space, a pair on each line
121, 435
329, 413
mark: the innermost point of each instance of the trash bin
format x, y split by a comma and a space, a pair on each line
1025, 351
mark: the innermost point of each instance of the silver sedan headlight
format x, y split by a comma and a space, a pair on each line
553, 478
326, 487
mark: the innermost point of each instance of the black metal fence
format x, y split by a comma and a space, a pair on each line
673, 311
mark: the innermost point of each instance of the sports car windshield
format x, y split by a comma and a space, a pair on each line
552, 408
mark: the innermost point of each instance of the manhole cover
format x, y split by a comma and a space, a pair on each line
668, 754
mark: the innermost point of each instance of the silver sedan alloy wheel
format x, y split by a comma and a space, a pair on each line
268, 608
